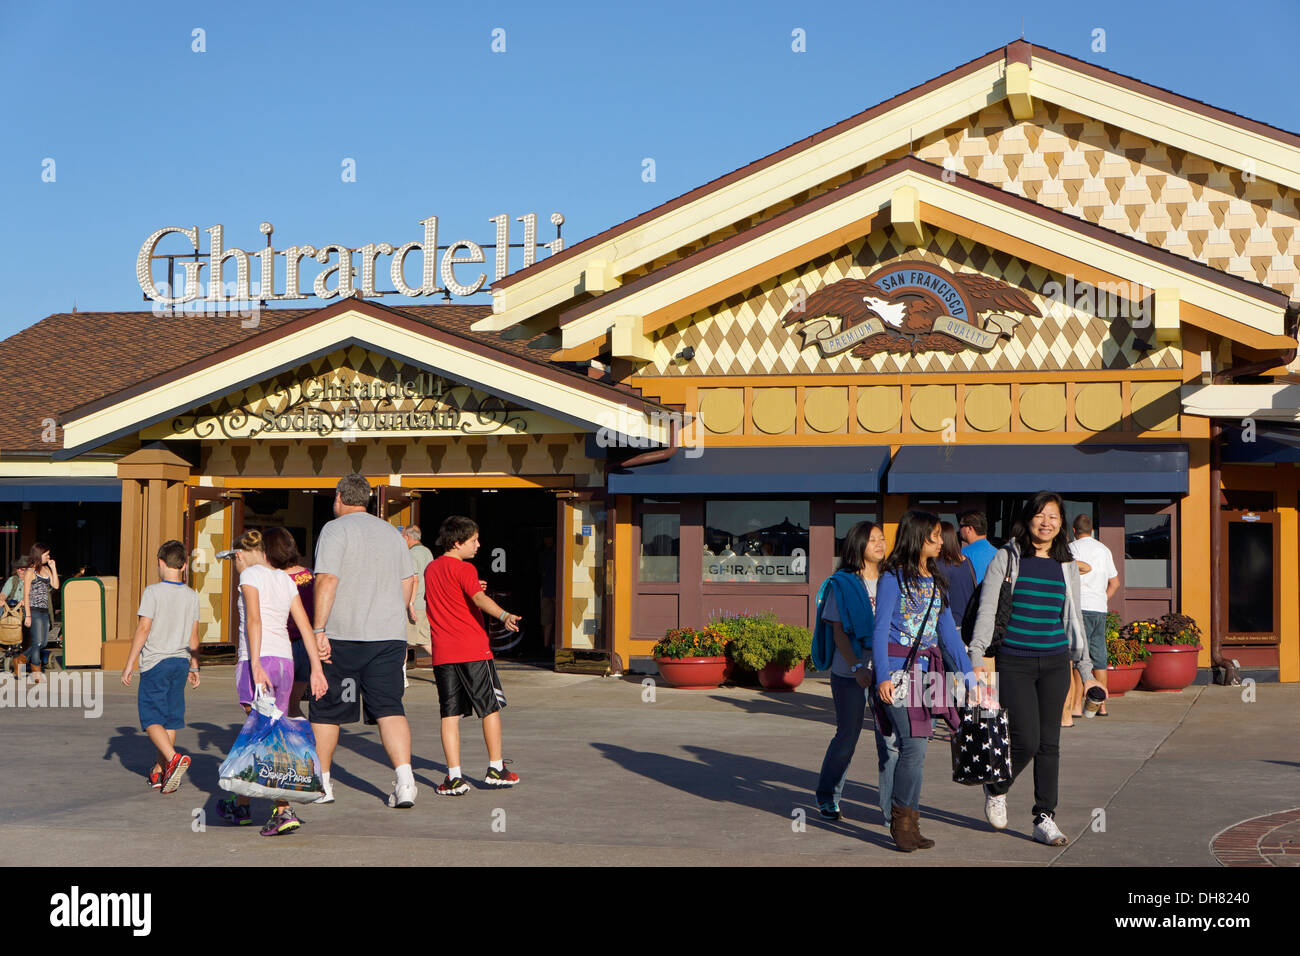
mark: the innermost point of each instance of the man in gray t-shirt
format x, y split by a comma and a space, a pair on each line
364, 582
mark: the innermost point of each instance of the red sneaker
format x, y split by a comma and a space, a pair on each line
500, 778
155, 779
175, 772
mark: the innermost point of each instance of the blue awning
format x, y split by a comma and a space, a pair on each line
56, 489
1072, 469
768, 470
1272, 443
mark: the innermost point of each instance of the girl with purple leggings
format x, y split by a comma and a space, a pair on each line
267, 598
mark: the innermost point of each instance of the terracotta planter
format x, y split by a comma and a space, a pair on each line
1122, 678
1171, 667
776, 677
692, 673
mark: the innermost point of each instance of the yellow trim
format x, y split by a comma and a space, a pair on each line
905, 215
58, 469
410, 482
491, 373
986, 219
1019, 91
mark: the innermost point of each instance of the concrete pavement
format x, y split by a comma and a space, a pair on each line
610, 777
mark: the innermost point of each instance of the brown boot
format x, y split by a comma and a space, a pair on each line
902, 829
36, 673
921, 842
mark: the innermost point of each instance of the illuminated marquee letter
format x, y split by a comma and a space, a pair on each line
450, 259
144, 266
345, 285
429, 283
217, 256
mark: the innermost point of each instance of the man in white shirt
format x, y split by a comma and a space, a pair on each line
1100, 582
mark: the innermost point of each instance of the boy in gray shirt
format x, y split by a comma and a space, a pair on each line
166, 644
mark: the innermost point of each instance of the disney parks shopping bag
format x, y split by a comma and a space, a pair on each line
274, 757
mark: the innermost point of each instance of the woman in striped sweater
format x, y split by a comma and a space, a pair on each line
1043, 637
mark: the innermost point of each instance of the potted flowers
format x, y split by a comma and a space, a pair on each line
691, 659
1126, 658
1173, 641
776, 651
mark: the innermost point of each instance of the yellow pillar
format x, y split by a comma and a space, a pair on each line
1288, 651
1196, 512
625, 571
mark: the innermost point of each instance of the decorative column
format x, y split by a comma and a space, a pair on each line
153, 511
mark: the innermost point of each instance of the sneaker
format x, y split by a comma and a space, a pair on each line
452, 788
402, 797
239, 814
829, 811
174, 773
500, 778
155, 779
995, 810
328, 795
1046, 831
282, 821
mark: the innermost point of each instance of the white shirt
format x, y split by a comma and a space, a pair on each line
275, 594
1095, 554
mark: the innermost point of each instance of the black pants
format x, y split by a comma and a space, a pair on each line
1033, 691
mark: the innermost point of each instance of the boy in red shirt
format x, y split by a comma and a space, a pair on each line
463, 667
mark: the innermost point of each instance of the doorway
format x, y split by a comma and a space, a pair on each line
517, 556
1251, 592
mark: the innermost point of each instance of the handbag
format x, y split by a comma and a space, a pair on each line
273, 757
981, 747
900, 679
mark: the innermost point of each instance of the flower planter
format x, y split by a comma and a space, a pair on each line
776, 677
1122, 678
692, 673
1171, 667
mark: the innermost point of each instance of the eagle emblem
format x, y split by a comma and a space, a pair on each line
911, 307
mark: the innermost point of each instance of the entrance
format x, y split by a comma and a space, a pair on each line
517, 554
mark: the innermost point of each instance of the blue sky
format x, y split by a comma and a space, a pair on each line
144, 132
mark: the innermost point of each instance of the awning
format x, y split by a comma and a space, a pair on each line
53, 490
766, 470
1272, 443
1067, 469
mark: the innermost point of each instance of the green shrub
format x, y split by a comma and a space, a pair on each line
757, 640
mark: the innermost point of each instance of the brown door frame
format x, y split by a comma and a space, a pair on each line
1170, 592
1274, 638
195, 494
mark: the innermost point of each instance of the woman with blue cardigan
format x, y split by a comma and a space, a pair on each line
842, 643
912, 610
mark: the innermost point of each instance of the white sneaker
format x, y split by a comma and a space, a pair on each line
1046, 831
328, 795
402, 797
995, 810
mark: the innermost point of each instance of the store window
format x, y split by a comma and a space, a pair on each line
755, 541
848, 512
1147, 544
661, 535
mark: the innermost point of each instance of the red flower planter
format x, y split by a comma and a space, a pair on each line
1122, 678
1171, 667
692, 673
776, 677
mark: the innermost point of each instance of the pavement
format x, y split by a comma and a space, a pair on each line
619, 772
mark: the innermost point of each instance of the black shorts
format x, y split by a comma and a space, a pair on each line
361, 674
469, 688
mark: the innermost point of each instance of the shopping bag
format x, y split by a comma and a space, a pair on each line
981, 747
274, 756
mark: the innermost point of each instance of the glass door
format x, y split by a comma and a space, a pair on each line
1251, 594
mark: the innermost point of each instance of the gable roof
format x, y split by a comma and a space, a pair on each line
70, 364
1248, 312
1160, 114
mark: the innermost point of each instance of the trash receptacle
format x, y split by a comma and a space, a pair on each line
90, 621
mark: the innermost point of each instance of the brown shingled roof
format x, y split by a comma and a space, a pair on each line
71, 359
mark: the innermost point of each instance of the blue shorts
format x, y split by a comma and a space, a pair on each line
162, 694
1094, 624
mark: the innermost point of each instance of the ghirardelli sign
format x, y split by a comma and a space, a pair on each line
911, 307
345, 265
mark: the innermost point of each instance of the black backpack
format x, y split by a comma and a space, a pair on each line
1000, 620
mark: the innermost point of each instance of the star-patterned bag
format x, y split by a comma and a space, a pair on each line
981, 747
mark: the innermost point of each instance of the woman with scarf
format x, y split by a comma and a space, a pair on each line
912, 612
842, 643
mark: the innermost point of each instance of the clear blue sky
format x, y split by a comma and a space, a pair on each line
146, 133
